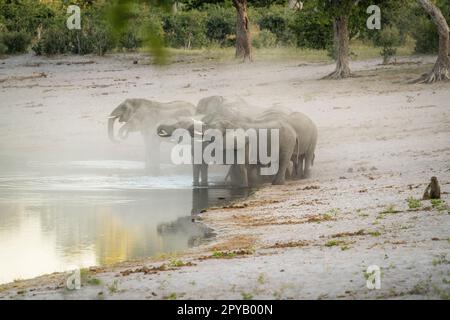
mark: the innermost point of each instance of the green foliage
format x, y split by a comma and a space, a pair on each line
185, 29
414, 203
220, 24
312, 29
54, 40
277, 22
264, 39
25, 15
95, 37
3, 48
424, 31
15, 41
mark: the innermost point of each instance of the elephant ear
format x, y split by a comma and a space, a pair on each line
128, 109
222, 125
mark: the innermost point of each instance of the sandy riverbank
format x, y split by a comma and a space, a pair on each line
381, 139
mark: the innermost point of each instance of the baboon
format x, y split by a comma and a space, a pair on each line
433, 190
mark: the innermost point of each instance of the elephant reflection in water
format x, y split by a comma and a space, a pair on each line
201, 199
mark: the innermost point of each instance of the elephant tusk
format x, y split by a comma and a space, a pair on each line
163, 133
112, 117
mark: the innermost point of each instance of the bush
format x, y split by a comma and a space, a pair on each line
426, 36
94, 37
3, 48
16, 41
312, 30
220, 23
264, 39
388, 38
424, 31
278, 23
185, 29
130, 40
54, 40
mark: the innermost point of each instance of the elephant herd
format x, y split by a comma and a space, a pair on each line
297, 135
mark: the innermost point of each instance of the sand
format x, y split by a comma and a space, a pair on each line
380, 141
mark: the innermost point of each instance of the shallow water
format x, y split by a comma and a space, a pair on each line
57, 216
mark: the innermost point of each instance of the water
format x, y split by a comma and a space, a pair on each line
56, 216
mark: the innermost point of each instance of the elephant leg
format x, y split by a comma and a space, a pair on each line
299, 171
196, 174
252, 174
204, 174
308, 164
280, 177
244, 177
234, 175
152, 146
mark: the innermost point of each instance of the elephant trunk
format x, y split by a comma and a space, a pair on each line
111, 121
123, 132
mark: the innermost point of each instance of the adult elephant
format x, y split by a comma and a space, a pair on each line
144, 115
307, 135
284, 148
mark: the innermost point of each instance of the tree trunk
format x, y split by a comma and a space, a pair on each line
243, 36
440, 70
341, 41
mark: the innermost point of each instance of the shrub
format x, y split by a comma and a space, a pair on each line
277, 22
264, 39
312, 30
147, 24
185, 29
130, 40
388, 38
16, 41
3, 48
426, 36
219, 25
54, 40
94, 37
424, 31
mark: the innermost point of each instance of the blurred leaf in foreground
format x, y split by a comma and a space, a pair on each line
121, 14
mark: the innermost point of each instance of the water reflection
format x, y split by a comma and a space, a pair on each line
44, 229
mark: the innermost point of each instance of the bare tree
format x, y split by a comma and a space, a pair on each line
243, 35
440, 70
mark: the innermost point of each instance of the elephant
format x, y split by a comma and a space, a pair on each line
200, 171
144, 116
307, 135
286, 147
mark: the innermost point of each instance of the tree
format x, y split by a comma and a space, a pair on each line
340, 10
440, 70
243, 34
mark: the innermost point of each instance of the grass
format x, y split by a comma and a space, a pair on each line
94, 282
390, 209
223, 254
261, 278
440, 205
113, 287
359, 50
414, 203
442, 259
247, 296
172, 296
174, 263
333, 243
375, 233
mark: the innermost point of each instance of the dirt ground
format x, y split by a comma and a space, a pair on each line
380, 141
